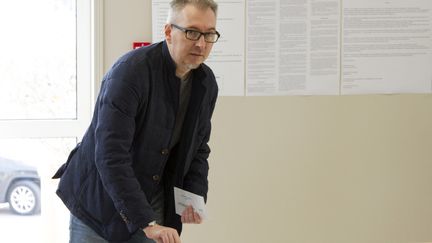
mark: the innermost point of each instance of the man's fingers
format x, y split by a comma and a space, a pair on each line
164, 238
190, 216
176, 238
197, 218
185, 215
169, 236
172, 238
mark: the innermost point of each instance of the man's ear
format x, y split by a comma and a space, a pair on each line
167, 31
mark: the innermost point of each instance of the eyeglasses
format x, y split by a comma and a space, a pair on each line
210, 37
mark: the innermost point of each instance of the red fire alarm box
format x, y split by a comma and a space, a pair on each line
140, 44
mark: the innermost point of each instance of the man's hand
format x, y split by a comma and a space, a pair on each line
190, 217
162, 234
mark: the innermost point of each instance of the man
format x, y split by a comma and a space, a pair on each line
149, 134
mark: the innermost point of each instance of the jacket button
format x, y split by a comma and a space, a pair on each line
156, 177
164, 151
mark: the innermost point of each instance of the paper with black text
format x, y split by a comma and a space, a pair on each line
183, 199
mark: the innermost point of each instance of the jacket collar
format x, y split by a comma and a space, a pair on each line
169, 62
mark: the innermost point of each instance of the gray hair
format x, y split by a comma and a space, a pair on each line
177, 5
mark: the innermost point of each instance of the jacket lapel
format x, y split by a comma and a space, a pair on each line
173, 81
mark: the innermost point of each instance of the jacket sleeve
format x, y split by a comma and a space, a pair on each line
196, 178
118, 105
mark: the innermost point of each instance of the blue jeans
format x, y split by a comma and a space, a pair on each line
81, 233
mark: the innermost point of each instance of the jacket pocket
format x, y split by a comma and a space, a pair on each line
95, 201
63, 167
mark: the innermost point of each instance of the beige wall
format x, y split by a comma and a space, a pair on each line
314, 169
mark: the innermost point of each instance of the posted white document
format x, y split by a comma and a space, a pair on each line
293, 47
387, 46
183, 199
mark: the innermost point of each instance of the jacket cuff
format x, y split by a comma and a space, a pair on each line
139, 220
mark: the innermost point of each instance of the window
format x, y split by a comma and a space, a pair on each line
45, 106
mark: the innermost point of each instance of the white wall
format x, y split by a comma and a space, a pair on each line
125, 22
325, 169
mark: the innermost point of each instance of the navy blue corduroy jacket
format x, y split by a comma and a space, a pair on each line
108, 179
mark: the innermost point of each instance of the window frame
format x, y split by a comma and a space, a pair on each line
88, 57
89, 68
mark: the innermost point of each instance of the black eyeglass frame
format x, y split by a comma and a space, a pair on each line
186, 30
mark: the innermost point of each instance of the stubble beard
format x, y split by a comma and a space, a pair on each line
192, 66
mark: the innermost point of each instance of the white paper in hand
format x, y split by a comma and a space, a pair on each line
183, 199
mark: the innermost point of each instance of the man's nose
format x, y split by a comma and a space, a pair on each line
201, 42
